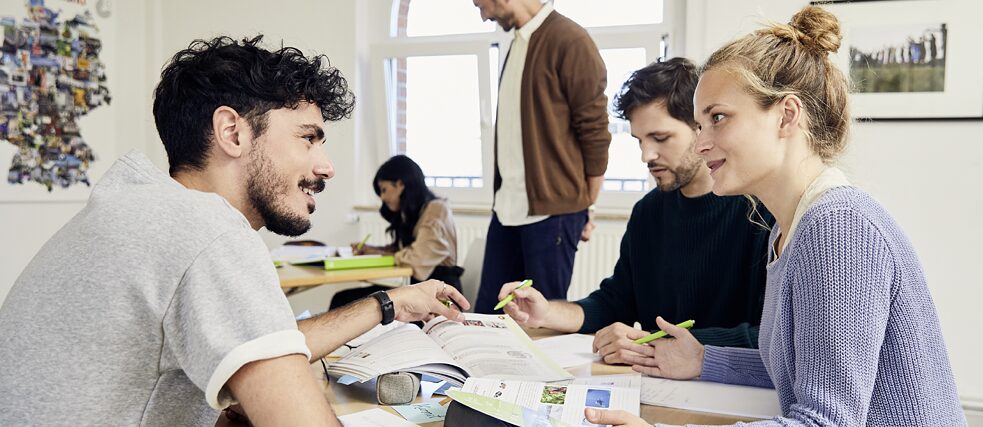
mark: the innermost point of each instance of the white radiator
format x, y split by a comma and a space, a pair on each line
595, 259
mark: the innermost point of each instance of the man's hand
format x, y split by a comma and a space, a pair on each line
613, 343
614, 418
678, 358
529, 308
420, 301
588, 227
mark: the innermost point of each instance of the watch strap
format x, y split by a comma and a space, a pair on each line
386, 305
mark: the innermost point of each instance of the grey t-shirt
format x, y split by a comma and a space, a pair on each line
139, 309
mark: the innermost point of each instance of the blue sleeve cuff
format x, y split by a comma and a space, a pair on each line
731, 365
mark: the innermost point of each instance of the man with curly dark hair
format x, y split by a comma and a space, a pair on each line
158, 303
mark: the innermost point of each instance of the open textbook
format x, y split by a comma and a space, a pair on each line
483, 345
529, 403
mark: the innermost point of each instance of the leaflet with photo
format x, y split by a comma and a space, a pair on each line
552, 404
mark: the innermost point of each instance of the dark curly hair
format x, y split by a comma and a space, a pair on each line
415, 197
673, 81
245, 77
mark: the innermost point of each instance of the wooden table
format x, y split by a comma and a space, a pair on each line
296, 277
359, 397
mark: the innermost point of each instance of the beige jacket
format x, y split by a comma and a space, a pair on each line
436, 241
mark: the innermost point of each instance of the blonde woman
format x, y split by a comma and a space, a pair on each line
849, 333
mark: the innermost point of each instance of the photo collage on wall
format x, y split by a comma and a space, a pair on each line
50, 76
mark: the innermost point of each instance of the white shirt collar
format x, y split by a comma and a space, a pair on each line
526, 30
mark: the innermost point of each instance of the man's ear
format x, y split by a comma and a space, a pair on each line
229, 131
790, 112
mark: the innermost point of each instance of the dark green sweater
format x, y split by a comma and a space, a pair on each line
688, 258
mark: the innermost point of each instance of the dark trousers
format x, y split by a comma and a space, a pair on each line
543, 251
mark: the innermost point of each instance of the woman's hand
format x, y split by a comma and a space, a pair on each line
370, 250
614, 418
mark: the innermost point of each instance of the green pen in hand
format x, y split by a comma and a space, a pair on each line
686, 325
362, 243
525, 284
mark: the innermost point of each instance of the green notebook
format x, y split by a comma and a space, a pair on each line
359, 261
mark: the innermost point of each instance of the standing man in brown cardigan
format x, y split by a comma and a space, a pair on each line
551, 149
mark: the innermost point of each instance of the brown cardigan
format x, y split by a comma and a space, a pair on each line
564, 114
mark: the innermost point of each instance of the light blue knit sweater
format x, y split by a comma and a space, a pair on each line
849, 333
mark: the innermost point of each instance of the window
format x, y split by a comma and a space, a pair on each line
444, 124
625, 171
441, 64
442, 17
592, 13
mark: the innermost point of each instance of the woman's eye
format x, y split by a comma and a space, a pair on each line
716, 118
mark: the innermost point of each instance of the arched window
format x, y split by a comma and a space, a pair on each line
441, 66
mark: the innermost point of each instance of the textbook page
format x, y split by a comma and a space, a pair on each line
552, 402
405, 348
488, 345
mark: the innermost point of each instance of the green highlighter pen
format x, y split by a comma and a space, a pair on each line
654, 336
525, 284
362, 243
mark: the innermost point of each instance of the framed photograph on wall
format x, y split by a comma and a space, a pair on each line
911, 59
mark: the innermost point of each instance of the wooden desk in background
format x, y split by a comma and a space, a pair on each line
359, 397
297, 277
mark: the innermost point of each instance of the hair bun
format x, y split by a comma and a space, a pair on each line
820, 30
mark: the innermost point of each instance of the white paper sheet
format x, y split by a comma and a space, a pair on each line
422, 413
631, 381
568, 350
718, 398
375, 417
291, 254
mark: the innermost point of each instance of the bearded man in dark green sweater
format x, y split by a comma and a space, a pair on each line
686, 254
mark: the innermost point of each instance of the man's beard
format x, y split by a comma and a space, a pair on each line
266, 189
682, 177
507, 22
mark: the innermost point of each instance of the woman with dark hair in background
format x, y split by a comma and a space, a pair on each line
421, 226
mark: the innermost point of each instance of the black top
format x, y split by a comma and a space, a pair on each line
685, 258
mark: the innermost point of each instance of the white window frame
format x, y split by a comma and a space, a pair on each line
648, 37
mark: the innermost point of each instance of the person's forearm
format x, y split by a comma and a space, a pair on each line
594, 184
281, 391
564, 316
330, 330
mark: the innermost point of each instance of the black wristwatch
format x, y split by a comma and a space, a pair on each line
386, 304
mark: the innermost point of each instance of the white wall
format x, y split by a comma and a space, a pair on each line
29, 215
927, 174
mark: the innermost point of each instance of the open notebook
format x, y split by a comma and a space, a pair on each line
484, 345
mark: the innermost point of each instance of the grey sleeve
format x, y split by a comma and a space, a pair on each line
228, 311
